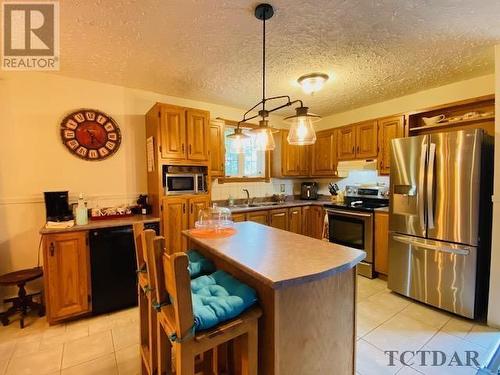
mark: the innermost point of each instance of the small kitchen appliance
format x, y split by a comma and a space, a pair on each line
57, 206
309, 191
184, 179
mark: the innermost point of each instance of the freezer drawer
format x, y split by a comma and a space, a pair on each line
438, 273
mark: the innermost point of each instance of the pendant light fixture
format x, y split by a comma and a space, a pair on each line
301, 130
312, 82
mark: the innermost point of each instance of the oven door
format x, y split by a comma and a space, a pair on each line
353, 229
180, 184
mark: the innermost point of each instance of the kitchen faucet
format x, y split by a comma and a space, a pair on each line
248, 196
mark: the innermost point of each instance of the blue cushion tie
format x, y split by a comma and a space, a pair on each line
173, 336
198, 264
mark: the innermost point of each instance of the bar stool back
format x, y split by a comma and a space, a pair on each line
147, 314
173, 302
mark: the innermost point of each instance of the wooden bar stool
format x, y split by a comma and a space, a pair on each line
147, 314
23, 302
175, 326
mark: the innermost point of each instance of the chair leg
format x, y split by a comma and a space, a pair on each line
249, 356
164, 351
184, 359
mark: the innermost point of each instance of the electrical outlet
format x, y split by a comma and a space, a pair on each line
282, 188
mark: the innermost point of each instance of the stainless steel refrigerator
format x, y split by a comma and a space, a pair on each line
440, 219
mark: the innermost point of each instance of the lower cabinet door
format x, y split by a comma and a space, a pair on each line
195, 206
237, 218
279, 219
382, 242
67, 275
295, 220
260, 217
175, 214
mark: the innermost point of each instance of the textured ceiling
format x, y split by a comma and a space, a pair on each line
210, 50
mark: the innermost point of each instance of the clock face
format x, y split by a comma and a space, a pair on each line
90, 134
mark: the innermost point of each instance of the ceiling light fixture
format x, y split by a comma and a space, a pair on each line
312, 82
301, 131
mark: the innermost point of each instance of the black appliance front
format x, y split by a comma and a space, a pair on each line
347, 231
57, 206
113, 268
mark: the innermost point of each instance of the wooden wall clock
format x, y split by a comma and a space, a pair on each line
90, 134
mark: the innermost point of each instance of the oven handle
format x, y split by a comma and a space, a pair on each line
349, 213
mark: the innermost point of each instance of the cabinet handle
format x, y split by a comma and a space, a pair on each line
183, 147
192, 207
358, 150
52, 248
184, 207
353, 149
189, 149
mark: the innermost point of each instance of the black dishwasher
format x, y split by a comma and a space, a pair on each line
113, 268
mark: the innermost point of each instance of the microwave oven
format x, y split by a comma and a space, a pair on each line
188, 183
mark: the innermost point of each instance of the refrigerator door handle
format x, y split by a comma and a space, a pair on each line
430, 186
458, 250
421, 181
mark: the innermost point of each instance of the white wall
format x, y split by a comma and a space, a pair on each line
471, 88
494, 300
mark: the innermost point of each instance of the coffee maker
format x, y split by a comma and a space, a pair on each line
309, 191
57, 206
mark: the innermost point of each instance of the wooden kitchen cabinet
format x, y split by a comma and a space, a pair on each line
260, 217
178, 214
66, 275
381, 242
312, 221
388, 129
295, 220
279, 218
289, 160
324, 154
197, 204
237, 218
172, 132
366, 140
183, 133
217, 149
197, 124
175, 219
346, 143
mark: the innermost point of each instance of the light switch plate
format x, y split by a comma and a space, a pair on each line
282, 188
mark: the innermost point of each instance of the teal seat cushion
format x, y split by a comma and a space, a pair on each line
198, 264
219, 297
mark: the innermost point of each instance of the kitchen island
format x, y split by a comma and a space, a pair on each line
307, 290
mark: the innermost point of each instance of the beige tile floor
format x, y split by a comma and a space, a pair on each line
109, 344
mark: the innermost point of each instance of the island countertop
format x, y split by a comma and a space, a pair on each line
279, 258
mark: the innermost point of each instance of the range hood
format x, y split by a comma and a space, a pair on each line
344, 167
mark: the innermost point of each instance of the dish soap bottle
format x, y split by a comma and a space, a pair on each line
82, 217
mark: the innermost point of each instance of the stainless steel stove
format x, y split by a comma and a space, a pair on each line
352, 223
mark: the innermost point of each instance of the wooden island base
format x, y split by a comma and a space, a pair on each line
308, 324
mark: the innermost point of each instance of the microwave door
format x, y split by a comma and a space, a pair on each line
408, 176
453, 186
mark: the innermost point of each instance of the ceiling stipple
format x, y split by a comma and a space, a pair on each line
211, 50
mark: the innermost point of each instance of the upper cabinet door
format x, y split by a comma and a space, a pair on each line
346, 143
323, 161
172, 132
217, 149
197, 134
388, 129
366, 140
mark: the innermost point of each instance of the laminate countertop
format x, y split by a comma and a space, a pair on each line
279, 258
98, 224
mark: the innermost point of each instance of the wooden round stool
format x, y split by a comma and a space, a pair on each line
23, 302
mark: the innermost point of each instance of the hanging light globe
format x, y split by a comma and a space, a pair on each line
239, 141
302, 131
